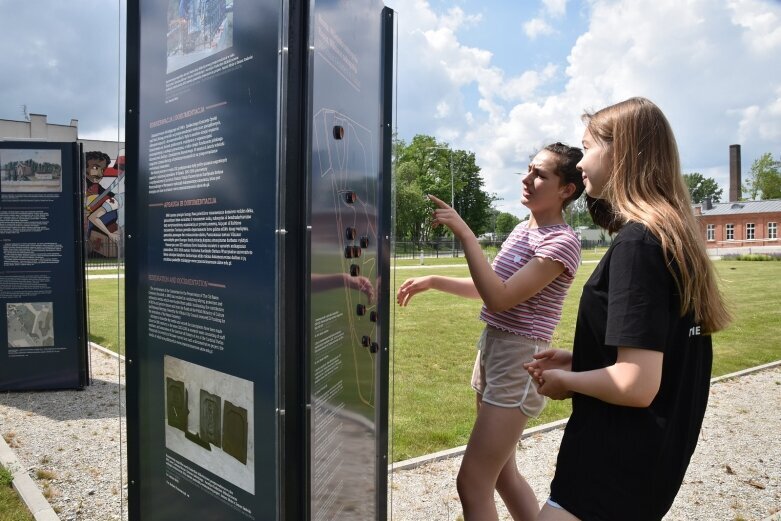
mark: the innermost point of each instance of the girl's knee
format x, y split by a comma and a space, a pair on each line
462, 482
468, 484
507, 482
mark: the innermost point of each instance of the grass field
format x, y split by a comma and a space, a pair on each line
433, 405
105, 301
434, 344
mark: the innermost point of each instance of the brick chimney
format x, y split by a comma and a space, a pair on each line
734, 173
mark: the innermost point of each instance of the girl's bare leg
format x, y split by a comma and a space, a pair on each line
491, 445
516, 493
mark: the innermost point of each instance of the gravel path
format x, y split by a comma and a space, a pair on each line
735, 473
73, 445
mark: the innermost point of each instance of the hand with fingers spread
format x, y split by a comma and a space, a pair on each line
411, 287
447, 216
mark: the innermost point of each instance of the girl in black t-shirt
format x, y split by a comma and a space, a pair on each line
639, 372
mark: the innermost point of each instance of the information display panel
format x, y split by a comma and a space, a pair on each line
348, 305
201, 259
43, 341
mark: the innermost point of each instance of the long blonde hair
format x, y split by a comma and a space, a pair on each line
646, 186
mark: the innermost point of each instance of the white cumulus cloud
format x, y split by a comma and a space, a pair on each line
555, 8
537, 27
712, 66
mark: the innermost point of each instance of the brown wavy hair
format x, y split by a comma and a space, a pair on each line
645, 185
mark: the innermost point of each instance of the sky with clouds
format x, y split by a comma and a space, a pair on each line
500, 78
504, 78
62, 59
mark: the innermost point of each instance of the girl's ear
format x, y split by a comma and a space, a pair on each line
566, 191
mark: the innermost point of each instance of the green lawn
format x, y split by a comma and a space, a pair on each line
106, 304
434, 345
592, 254
435, 337
12, 508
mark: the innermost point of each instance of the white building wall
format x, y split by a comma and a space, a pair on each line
38, 128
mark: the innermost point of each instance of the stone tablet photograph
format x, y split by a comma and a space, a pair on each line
209, 420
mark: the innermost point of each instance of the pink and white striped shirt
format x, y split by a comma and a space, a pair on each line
538, 316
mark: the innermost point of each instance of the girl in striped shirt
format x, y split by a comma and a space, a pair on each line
522, 292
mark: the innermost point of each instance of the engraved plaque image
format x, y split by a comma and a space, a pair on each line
210, 418
176, 396
234, 431
193, 437
217, 431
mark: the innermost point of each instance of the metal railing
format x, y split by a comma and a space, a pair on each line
447, 247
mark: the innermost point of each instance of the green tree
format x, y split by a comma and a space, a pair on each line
505, 223
425, 166
701, 187
765, 180
472, 203
412, 209
416, 175
577, 213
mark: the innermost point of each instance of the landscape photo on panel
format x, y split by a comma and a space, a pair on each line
197, 29
30, 170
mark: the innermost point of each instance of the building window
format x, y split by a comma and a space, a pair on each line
772, 230
730, 232
711, 232
749, 231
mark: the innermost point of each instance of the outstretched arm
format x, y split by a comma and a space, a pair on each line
462, 287
498, 295
326, 281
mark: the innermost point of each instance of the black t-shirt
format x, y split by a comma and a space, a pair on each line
616, 462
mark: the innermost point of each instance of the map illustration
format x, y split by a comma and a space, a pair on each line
30, 324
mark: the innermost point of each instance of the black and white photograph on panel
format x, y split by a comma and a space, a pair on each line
209, 420
197, 29
30, 324
30, 170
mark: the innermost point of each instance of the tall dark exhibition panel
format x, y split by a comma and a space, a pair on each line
43, 342
258, 259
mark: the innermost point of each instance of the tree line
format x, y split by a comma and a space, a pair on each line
427, 166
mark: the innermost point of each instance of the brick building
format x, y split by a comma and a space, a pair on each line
739, 224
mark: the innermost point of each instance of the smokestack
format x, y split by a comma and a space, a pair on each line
734, 173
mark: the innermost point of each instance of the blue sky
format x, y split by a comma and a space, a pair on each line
497, 77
